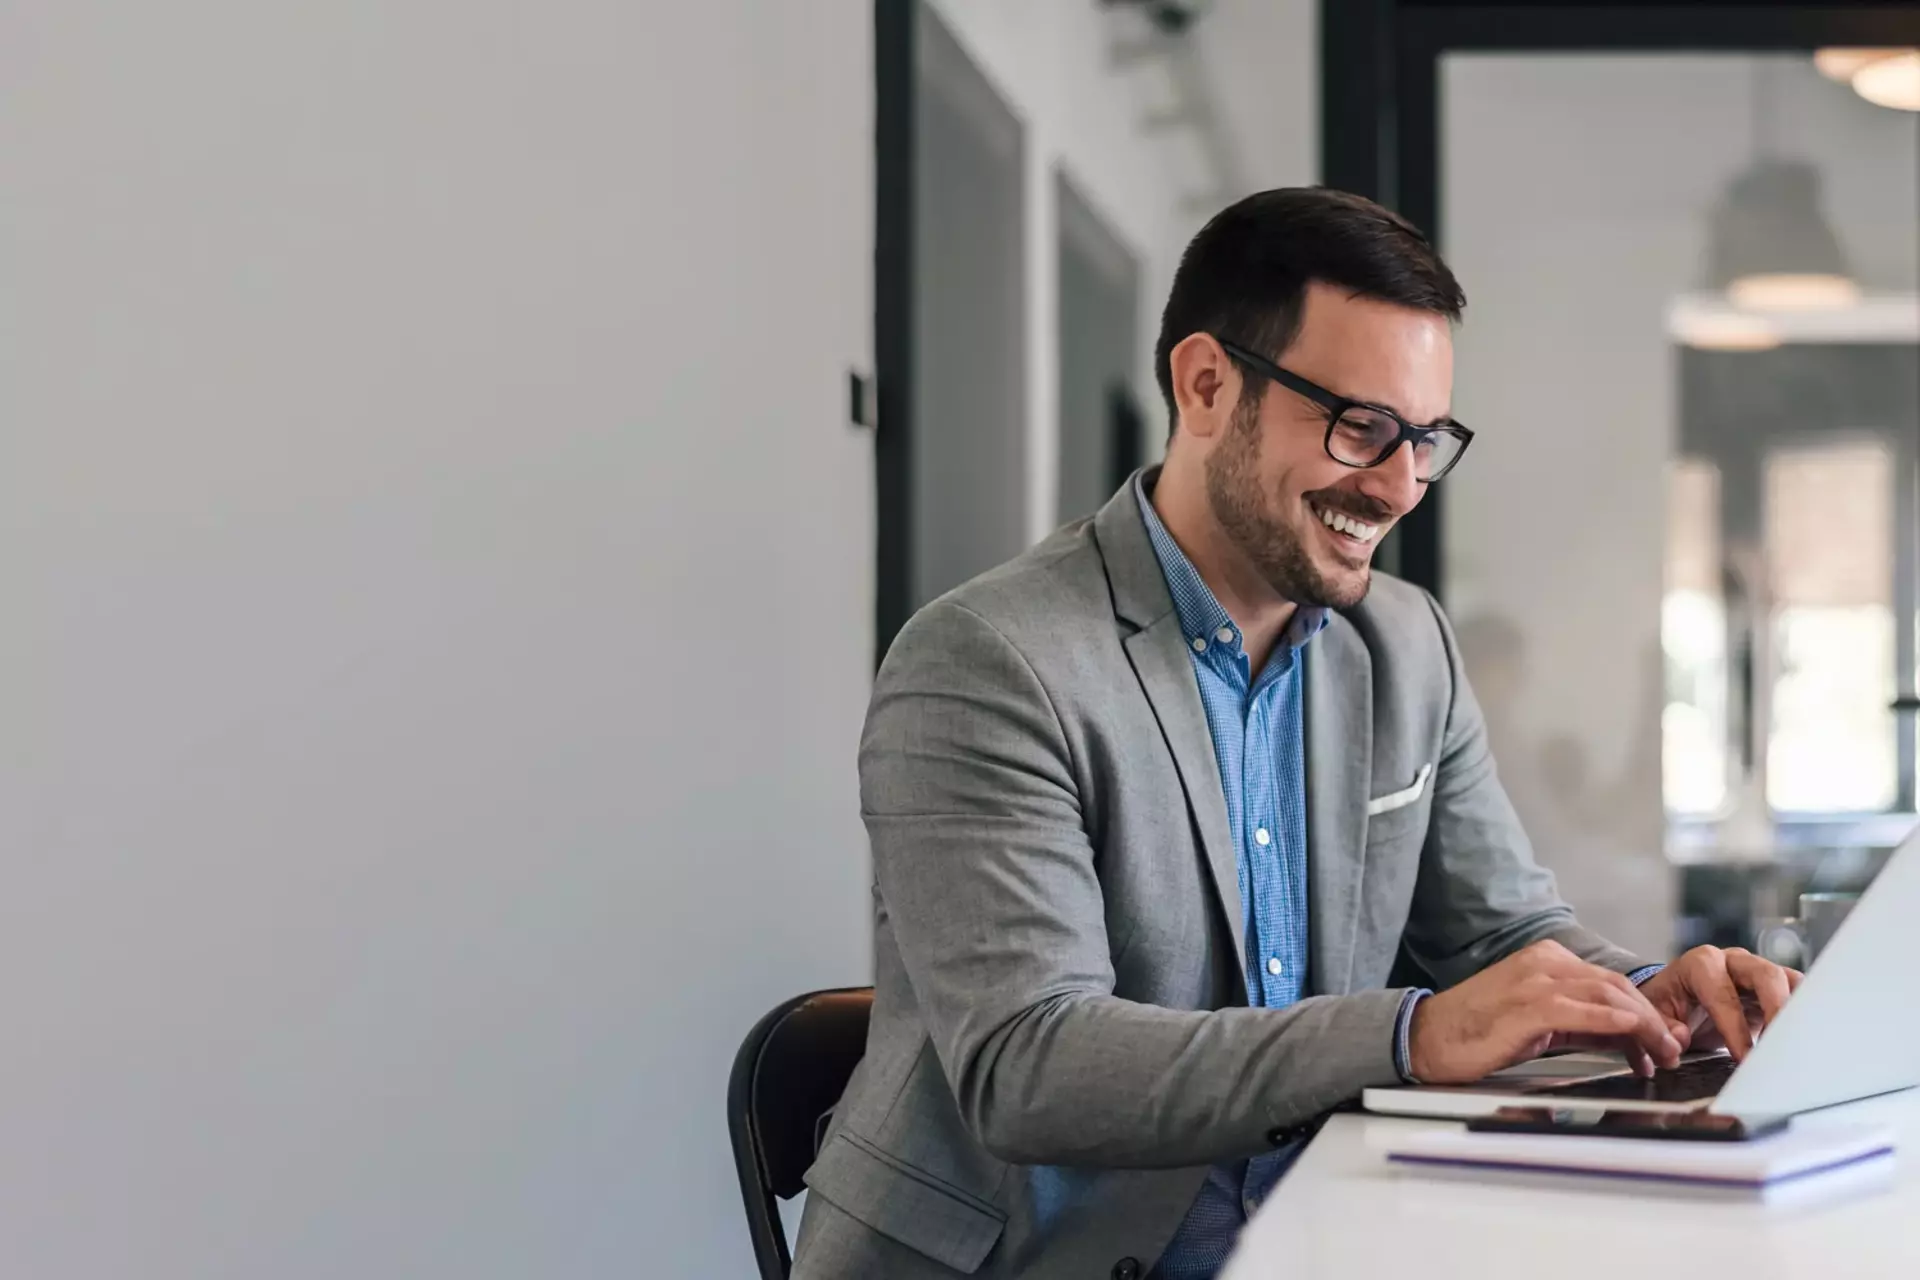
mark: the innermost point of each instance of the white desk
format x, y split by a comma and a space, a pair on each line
1343, 1211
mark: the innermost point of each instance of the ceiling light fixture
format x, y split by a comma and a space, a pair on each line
1884, 77
1840, 64
1793, 291
1893, 81
1724, 330
1770, 247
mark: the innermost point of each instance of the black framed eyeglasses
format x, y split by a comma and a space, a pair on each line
1365, 435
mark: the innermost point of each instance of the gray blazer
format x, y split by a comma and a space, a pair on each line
1060, 1043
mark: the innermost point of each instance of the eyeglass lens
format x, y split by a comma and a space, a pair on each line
1362, 435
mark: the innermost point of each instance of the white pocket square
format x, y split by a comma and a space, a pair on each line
1401, 799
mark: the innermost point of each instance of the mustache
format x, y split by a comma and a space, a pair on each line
1357, 505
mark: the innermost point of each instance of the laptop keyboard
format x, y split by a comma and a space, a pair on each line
1688, 1082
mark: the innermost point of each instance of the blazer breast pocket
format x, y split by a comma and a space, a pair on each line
1400, 810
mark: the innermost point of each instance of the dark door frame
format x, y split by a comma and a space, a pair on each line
894, 74
1380, 104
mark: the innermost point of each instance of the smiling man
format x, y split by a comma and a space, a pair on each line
1180, 820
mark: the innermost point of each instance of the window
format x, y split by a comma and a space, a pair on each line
1831, 744
1693, 633
1807, 602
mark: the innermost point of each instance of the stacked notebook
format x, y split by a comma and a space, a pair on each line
1799, 1163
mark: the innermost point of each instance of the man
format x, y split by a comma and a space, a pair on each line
1156, 808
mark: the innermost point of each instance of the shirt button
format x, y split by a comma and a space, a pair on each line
1261, 838
1224, 635
1199, 644
1274, 966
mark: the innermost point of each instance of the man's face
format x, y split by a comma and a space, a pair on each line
1273, 488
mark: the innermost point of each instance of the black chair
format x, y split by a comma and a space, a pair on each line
789, 1073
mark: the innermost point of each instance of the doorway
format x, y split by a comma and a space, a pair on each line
1101, 426
950, 338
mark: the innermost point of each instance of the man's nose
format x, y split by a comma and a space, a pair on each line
1393, 482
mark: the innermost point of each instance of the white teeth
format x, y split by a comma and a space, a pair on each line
1349, 526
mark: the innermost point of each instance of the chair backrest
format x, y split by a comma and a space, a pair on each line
790, 1072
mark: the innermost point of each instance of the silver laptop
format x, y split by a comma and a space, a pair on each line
1849, 1032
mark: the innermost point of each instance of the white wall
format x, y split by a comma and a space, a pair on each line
1052, 62
1262, 58
438, 585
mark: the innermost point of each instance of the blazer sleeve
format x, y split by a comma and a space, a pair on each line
991, 890
1480, 895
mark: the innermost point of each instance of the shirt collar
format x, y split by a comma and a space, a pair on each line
1203, 619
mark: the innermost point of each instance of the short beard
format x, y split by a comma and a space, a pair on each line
1274, 550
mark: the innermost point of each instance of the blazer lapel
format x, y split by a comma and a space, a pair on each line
1159, 657
1339, 771
1158, 652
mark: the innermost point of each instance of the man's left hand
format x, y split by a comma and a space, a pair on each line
1722, 997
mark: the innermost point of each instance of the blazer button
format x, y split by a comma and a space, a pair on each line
1127, 1269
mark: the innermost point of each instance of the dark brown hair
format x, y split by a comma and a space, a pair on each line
1245, 276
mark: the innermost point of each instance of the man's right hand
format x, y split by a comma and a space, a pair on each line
1539, 998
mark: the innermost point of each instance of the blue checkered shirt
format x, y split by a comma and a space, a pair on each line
1259, 746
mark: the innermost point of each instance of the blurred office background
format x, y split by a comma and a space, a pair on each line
462, 461
1684, 568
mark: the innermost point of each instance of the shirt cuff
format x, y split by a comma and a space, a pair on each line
1403, 1032
1644, 972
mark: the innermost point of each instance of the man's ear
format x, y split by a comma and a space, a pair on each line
1206, 385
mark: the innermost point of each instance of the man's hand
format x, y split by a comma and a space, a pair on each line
1721, 997
1539, 998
